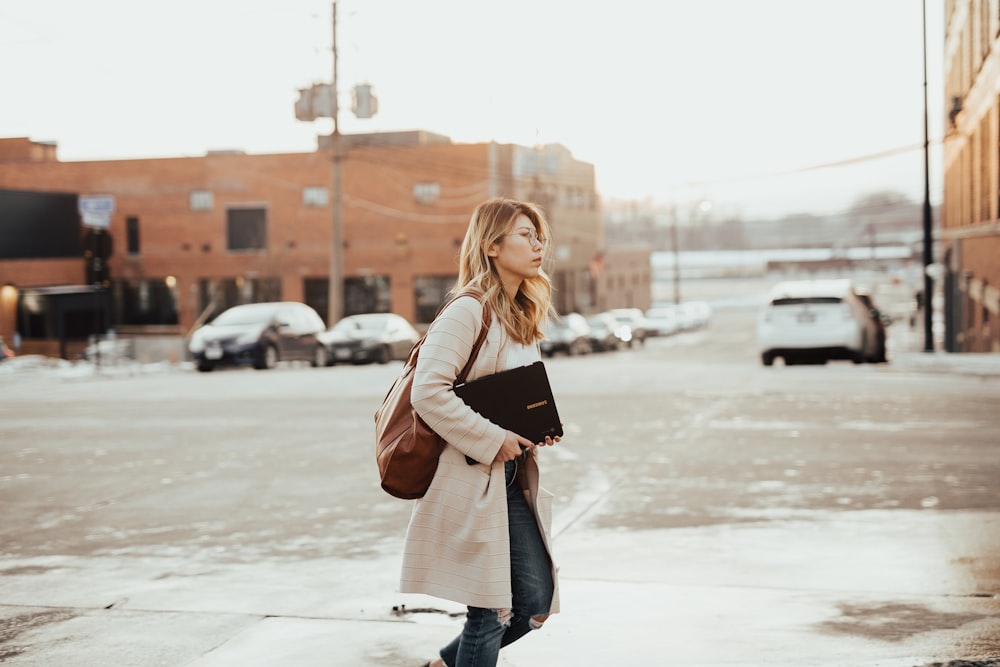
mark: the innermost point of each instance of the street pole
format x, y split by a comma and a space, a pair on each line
928, 258
674, 242
335, 291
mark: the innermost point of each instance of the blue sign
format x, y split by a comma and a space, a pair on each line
96, 204
96, 210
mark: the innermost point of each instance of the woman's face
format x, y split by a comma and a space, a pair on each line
518, 254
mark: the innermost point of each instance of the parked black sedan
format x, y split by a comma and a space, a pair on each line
261, 335
370, 337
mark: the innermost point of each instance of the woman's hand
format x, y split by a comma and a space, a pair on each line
549, 440
512, 446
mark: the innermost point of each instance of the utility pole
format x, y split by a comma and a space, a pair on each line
928, 234
321, 101
336, 292
675, 244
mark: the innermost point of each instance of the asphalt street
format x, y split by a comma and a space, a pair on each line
709, 511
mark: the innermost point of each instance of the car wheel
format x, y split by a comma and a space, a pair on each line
205, 367
767, 358
858, 356
319, 357
383, 355
268, 358
878, 356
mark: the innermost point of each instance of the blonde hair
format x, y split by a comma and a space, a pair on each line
523, 316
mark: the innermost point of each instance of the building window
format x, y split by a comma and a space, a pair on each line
426, 193
246, 229
145, 301
429, 293
202, 200
132, 235
218, 295
315, 295
315, 196
366, 294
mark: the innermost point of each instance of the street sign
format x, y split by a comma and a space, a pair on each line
96, 210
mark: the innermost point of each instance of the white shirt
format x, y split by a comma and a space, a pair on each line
520, 355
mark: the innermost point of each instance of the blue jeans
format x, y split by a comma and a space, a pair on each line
485, 633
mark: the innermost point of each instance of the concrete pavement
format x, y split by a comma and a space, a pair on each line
981, 365
848, 589
708, 597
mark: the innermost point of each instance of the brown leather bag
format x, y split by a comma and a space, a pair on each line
406, 449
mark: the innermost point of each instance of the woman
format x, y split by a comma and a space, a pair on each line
480, 536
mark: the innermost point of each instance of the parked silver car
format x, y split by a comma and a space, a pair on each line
662, 321
569, 334
261, 335
607, 333
368, 338
635, 319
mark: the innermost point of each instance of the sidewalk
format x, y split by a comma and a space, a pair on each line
981, 365
906, 353
856, 590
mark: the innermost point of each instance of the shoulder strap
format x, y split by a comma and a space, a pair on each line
480, 339
483, 330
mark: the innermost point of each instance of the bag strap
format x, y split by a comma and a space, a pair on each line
480, 339
487, 319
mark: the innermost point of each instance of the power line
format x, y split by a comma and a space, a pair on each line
815, 167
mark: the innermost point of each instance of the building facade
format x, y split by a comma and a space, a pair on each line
971, 205
195, 235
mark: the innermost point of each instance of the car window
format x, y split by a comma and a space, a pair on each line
354, 324
302, 321
290, 317
373, 324
803, 300
312, 319
240, 316
347, 325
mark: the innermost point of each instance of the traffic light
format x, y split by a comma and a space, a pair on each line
97, 248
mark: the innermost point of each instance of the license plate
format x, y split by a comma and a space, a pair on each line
806, 318
343, 354
213, 352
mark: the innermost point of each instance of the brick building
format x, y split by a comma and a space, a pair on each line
195, 235
971, 207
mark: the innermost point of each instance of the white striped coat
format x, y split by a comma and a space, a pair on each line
457, 544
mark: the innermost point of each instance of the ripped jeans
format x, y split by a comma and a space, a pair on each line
485, 632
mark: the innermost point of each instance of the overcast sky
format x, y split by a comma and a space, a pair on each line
673, 100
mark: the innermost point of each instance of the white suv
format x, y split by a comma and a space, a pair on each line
635, 320
814, 321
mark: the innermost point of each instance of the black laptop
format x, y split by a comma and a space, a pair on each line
519, 400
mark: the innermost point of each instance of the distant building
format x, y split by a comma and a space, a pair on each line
970, 225
195, 235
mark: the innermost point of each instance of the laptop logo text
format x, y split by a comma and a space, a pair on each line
532, 406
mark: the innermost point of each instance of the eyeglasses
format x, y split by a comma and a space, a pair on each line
531, 236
